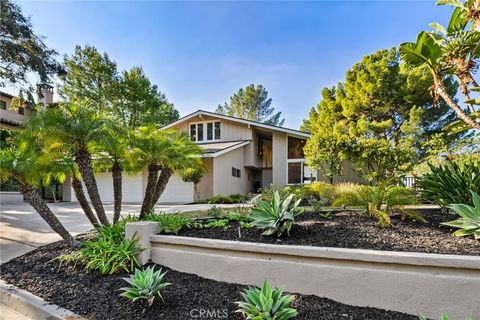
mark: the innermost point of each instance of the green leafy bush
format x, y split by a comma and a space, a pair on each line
215, 211
444, 316
145, 284
379, 201
107, 255
233, 198
266, 304
469, 223
448, 183
169, 223
277, 216
321, 191
284, 191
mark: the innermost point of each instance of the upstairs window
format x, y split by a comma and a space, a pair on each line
295, 148
205, 131
21, 110
3, 105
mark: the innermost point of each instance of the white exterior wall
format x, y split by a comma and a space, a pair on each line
177, 191
279, 158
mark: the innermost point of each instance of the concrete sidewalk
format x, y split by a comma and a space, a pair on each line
23, 230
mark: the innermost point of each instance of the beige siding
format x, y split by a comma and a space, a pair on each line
223, 181
205, 186
230, 130
250, 154
279, 158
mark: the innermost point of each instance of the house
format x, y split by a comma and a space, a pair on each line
240, 155
13, 118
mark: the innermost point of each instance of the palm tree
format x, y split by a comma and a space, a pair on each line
24, 167
465, 11
163, 152
115, 156
426, 53
80, 131
62, 166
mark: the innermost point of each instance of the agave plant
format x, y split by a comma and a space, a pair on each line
469, 223
266, 304
145, 284
444, 316
277, 216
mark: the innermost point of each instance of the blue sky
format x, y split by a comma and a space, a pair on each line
200, 53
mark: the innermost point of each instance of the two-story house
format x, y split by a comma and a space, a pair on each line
241, 156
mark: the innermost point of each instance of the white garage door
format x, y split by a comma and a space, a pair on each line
177, 191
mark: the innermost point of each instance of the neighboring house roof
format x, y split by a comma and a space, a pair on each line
6, 95
215, 149
294, 132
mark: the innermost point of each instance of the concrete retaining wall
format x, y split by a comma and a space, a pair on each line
407, 282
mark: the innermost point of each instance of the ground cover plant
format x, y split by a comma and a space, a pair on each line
169, 223
233, 198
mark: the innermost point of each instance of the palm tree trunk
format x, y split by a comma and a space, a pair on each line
84, 162
149, 190
442, 91
117, 191
82, 200
161, 185
32, 196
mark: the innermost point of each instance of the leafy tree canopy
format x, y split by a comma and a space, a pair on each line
252, 103
377, 119
92, 79
22, 51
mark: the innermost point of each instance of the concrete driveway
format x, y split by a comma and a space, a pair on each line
22, 229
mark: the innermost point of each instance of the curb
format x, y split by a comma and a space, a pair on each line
26, 305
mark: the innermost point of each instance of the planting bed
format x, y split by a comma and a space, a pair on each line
97, 297
353, 230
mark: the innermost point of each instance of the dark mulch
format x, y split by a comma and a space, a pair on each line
97, 297
354, 230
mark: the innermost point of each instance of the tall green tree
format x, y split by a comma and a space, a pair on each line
24, 167
252, 103
91, 79
377, 119
22, 51
140, 102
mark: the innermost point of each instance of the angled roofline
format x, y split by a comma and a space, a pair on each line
226, 150
240, 120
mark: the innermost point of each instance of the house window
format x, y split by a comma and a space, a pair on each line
295, 148
3, 105
21, 110
205, 131
193, 132
236, 172
298, 172
200, 132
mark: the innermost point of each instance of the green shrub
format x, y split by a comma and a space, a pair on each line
284, 191
233, 198
145, 284
444, 316
266, 304
169, 223
379, 201
469, 223
321, 191
215, 211
317, 205
277, 216
107, 255
213, 223
447, 184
